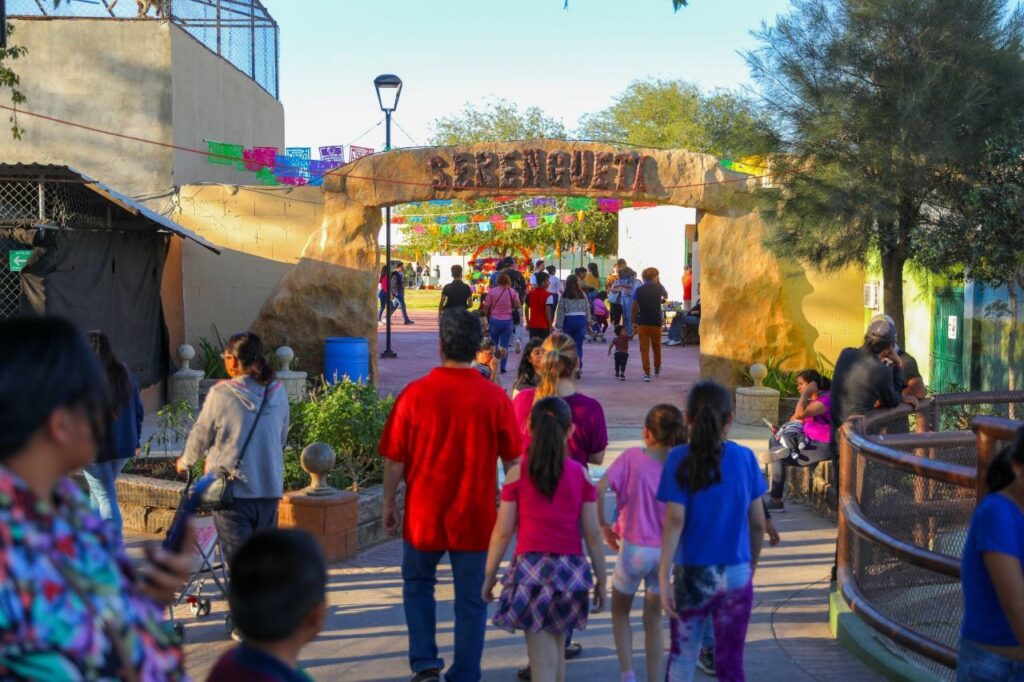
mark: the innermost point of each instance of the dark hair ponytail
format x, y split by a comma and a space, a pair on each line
709, 408
550, 421
248, 349
1000, 469
117, 374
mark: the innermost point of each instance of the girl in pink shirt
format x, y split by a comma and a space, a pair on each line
546, 589
634, 478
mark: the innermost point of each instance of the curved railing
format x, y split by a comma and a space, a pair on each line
905, 501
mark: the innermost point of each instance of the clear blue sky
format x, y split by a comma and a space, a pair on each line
532, 52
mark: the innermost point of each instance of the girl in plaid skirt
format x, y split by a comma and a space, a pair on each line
546, 589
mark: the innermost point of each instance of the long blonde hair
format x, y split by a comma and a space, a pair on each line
560, 361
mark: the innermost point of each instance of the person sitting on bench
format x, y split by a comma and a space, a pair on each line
683, 325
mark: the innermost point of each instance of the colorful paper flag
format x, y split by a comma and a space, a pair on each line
223, 154
265, 176
580, 203
334, 153
355, 152
304, 153
531, 220
258, 158
484, 226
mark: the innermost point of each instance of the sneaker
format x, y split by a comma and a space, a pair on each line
429, 675
706, 661
572, 650
775, 505
647, 378
657, 371
410, 322
236, 635
523, 673
518, 346
622, 377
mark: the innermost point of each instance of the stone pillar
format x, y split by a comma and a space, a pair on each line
293, 382
184, 384
757, 403
329, 515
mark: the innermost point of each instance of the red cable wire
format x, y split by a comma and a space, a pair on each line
181, 148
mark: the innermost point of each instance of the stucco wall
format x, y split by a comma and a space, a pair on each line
656, 237
832, 304
213, 100
114, 75
261, 232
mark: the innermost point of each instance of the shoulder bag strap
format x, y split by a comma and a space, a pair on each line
245, 445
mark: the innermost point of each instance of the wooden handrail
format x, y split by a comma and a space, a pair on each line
944, 472
890, 628
990, 431
912, 554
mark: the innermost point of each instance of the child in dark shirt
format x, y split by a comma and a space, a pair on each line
277, 594
620, 343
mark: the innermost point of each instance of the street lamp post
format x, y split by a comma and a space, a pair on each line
389, 87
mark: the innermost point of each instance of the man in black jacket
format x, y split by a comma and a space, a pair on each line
398, 289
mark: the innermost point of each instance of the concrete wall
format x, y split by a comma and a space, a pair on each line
114, 75
656, 237
261, 232
213, 100
831, 304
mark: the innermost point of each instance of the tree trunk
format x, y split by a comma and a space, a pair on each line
1011, 360
892, 291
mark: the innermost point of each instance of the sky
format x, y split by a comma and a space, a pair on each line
531, 52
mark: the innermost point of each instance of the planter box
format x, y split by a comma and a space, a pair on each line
787, 406
148, 506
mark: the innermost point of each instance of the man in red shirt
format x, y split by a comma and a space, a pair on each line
540, 307
444, 437
687, 287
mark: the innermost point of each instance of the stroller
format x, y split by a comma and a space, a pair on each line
210, 564
599, 320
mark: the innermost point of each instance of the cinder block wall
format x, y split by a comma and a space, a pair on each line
261, 232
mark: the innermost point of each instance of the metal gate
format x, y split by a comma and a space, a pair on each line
10, 282
948, 340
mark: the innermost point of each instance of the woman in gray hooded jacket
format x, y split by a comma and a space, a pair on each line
231, 411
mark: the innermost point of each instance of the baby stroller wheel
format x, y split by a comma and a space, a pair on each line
194, 607
228, 624
204, 607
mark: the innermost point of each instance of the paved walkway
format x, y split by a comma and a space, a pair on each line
365, 637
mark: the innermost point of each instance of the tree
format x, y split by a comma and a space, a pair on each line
980, 234
9, 78
495, 121
876, 103
676, 114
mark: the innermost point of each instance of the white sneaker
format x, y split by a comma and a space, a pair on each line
518, 347
647, 378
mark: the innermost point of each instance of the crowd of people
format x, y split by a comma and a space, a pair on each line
693, 509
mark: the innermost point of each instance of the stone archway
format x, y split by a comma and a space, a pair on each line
746, 313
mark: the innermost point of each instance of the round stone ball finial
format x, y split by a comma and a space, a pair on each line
285, 355
185, 354
758, 372
318, 460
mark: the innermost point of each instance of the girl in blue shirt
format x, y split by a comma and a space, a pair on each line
992, 573
714, 525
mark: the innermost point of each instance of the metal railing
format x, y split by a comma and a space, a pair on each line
241, 31
905, 503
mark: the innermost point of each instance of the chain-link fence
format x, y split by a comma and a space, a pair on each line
240, 31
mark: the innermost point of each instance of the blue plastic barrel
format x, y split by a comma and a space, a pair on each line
346, 356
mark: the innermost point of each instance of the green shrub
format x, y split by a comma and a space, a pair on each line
213, 356
783, 381
347, 416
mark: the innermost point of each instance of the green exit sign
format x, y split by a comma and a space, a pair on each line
16, 260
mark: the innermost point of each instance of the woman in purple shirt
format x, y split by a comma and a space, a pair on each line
814, 409
589, 437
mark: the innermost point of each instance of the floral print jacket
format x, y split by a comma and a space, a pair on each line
69, 609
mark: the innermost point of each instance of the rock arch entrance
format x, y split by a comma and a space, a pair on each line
747, 313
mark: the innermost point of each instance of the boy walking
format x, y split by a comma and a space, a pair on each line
277, 596
540, 307
620, 343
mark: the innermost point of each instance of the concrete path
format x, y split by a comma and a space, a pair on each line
365, 637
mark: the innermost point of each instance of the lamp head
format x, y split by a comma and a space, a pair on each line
389, 87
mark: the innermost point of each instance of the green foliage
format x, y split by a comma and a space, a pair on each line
213, 356
676, 114
876, 104
350, 418
782, 380
173, 423
9, 79
498, 121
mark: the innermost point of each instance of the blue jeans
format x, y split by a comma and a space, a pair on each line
575, 326
975, 664
627, 313
102, 477
419, 575
501, 333
244, 517
401, 303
